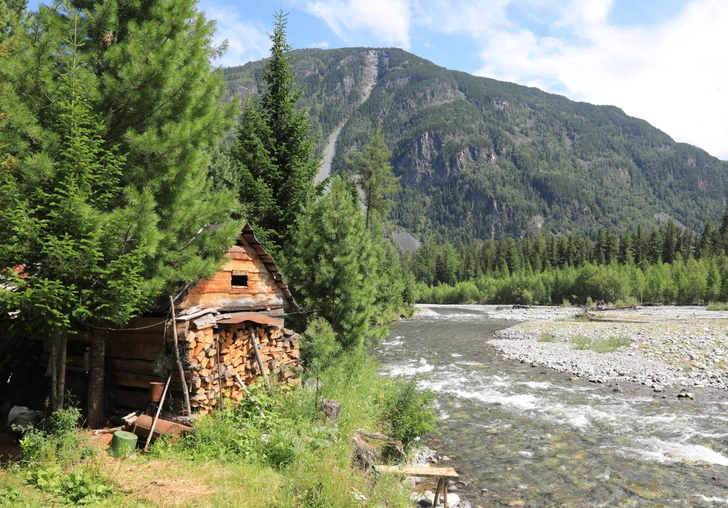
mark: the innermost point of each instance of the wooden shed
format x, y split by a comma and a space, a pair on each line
228, 327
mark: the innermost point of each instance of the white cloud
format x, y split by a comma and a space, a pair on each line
673, 75
380, 22
246, 41
322, 45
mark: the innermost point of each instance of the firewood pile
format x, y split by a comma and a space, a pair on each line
223, 361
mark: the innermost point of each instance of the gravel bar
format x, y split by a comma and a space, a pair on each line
667, 346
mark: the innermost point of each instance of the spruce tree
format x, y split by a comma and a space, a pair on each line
274, 148
335, 271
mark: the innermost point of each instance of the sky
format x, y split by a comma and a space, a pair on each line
665, 61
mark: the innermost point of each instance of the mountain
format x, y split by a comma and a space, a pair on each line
481, 158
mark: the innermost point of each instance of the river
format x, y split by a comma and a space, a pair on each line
524, 436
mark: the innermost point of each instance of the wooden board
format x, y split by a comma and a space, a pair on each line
421, 471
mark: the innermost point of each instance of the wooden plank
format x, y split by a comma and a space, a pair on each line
131, 366
421, 471
133, 380
142, 346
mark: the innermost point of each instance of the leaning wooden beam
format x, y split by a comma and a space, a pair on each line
159, 410
185, 390
260, 360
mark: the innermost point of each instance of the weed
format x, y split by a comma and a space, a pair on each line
410, 412
56, 439
78, 487
8, 496
547, 337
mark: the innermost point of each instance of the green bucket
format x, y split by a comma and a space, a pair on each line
123, 443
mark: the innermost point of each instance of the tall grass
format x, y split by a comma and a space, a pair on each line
599, 346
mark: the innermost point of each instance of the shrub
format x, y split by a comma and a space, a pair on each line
409, 412
717, 306
56, 440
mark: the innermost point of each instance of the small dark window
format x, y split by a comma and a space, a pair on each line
240, 281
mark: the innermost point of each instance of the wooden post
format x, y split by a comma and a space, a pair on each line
219, 373
260, 359
159, 410
63, 353
444, 491
437, 492
185, 390
96, 381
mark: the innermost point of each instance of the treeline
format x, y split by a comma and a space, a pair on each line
661, 265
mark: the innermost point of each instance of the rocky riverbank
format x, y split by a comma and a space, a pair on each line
656, 346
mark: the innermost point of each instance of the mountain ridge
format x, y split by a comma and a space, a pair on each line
481, 158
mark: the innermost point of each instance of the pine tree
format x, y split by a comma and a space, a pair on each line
148, 103
375, 177
274, 148
80, 238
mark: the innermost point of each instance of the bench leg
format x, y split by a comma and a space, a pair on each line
444, 490
437, 492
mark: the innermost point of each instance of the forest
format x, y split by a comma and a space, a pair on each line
664, 265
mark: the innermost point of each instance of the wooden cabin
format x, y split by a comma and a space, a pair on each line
220, 322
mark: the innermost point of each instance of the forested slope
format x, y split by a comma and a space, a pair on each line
480, 158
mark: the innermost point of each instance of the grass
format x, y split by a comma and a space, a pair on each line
288, 457
547, 337
599, 346
717, 306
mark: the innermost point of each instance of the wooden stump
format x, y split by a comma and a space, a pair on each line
331, 408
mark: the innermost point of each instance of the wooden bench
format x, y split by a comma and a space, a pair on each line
443, 475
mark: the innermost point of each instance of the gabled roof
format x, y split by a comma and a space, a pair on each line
248, 236
268, 262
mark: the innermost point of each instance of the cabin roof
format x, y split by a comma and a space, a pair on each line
248, 236
270, 265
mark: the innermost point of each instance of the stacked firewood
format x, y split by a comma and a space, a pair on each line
221, 363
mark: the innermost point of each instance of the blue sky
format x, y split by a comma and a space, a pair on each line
661, 60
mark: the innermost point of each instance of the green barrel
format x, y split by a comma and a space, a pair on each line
123, 443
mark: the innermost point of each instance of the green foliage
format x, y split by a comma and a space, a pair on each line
318, 344
409, 412
547, 337
104, 197
56, 440
334, 273
9, 496
78, 487
375, 177
717, 306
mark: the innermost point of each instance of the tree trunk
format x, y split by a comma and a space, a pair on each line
96, 381
62, 354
